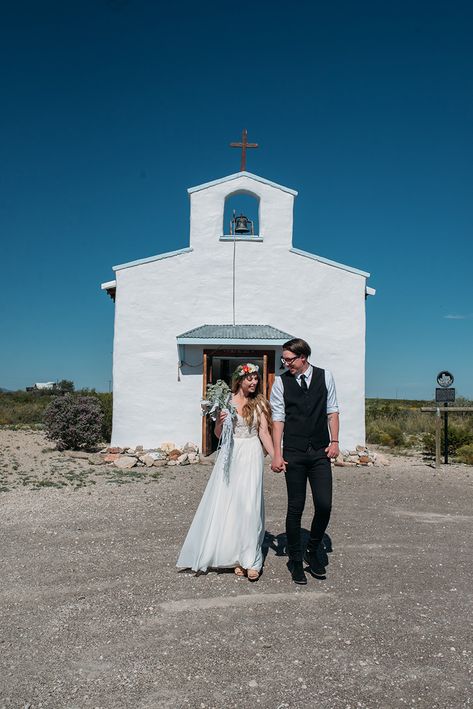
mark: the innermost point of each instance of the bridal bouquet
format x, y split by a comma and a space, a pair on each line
217, 398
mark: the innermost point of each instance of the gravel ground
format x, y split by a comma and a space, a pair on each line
95, 614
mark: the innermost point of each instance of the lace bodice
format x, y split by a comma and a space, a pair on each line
241, 429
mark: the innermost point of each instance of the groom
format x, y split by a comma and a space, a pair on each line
305, 409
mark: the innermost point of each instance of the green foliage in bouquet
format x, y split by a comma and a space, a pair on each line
217, 398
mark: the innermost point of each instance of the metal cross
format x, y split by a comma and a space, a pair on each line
244, 145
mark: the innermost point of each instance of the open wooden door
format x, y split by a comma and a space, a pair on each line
266, 358
206, 422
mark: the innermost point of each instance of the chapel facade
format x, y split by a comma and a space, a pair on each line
186, 318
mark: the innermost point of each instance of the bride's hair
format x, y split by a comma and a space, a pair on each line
256, 404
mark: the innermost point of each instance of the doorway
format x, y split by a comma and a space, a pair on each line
220, 364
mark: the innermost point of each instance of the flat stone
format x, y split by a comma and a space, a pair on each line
182, 458
111, 457
381, 460
147, 460
115, 449
126, 461
172, 462
157, 454
96, 459
159, 463
77, 454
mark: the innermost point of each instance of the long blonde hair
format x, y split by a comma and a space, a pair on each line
257, 404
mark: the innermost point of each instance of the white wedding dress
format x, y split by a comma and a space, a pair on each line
228, 527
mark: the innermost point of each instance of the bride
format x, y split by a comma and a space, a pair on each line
228, 528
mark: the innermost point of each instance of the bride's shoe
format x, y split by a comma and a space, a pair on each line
252, 574
239, 571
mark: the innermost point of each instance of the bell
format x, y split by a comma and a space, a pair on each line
241, 225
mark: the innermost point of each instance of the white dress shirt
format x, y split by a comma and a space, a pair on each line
277, 394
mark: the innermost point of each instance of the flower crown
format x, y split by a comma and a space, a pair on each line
244, 369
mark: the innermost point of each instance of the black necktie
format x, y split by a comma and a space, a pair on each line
303, 383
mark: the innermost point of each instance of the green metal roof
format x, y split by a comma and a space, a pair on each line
234, 334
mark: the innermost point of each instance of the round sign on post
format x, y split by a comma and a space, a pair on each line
445, 379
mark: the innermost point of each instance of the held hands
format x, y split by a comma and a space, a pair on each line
332, 450
278, 464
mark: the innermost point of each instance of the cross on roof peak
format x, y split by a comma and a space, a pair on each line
243, 145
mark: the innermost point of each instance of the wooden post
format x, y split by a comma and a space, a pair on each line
438, 429
265, 375
204, 418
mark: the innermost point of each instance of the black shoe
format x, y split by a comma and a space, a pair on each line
297, 572
316, 568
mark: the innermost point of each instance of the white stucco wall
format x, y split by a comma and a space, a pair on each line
158, 300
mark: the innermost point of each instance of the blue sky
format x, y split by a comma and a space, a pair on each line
112, 108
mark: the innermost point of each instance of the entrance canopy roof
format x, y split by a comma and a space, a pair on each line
234, 335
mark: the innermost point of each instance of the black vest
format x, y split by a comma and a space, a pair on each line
306, 412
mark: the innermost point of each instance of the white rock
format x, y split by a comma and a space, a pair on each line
190, 447
172, 462
125, 461
147, 460
182, 458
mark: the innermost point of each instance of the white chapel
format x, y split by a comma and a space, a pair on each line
186, 318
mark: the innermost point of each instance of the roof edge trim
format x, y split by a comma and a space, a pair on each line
108, 284
328, 262
150, 259
235, 176
228, 341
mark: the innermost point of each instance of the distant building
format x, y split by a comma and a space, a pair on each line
42, 385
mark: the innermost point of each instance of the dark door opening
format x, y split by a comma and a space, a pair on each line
220, 364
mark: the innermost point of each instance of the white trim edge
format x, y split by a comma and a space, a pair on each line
328, 262
108, 284
370, 291
150, 259
235, 176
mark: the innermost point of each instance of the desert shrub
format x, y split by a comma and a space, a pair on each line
106, 401
459, 436
385, 433
74, 421
465, 454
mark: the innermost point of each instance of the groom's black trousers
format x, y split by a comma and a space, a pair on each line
302, 466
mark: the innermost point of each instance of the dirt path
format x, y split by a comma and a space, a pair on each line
94, 613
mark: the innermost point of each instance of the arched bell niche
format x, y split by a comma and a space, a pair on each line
241, 203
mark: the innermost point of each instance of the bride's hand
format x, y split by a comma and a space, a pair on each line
221, 417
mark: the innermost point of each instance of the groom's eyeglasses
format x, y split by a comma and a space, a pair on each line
289, 360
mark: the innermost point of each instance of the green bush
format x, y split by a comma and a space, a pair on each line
385, 433
459, 436
74, 421
465, 454
106, 401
